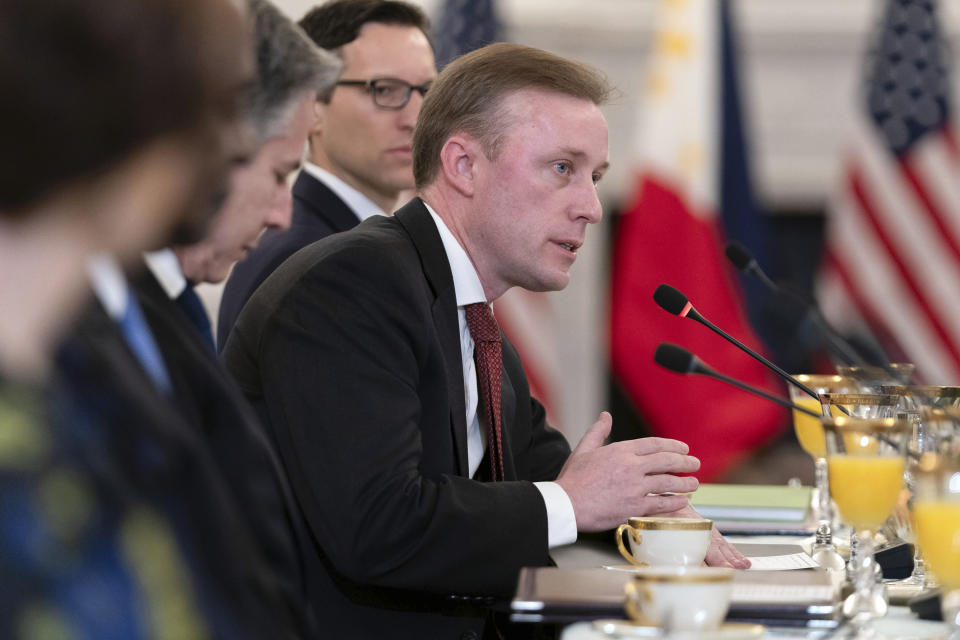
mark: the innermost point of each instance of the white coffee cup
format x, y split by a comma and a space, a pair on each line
658, 541
680, 598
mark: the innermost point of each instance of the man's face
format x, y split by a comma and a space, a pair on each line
366, 146
259, 198
532, 205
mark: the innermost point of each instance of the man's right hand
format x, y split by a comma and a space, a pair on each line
609, 483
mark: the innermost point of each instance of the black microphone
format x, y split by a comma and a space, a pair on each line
679, 360
744, 261
673, 301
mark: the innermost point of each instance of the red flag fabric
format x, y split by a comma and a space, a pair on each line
892, 257
671, 234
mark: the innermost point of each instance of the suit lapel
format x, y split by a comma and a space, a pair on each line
323, 203
419, 225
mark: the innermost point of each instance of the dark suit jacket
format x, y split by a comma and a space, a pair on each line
148, 452
351, 353
317, 212
213, 406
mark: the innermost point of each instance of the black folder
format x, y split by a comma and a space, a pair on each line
775, 598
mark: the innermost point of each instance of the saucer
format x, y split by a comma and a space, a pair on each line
727, 631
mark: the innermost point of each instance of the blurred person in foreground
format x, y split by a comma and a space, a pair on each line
120, 118
430, 478
290, 72
359, 158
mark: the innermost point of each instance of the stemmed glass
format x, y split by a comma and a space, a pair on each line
865, 461
922, 405
869, 378
936, 512
809, 432
858, 405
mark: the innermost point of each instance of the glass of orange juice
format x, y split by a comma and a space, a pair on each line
809, 432
936, 513
865, 461
926, 406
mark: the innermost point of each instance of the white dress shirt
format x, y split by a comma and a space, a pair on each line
109, 284
360, 204
561, 521
165, 267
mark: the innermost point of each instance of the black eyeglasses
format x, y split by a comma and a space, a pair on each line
388, 93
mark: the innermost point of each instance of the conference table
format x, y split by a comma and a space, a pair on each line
590, 554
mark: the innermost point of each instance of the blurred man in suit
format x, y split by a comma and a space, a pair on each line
421, 464
360, 156
204, 450
115, 123
290, 72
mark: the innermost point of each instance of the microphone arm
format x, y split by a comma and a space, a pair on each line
671, 300
693, 314
744, 261
757, 392
679, 360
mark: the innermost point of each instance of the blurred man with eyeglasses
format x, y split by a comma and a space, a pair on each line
360, 147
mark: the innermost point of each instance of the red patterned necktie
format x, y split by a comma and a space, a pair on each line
488, 355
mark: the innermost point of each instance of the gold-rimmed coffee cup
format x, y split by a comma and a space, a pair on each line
661, 541
680, 598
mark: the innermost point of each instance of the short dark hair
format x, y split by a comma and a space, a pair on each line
468, 94
288, 64
337, 23
86, 84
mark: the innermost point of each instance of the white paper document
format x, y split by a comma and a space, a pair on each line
781, 563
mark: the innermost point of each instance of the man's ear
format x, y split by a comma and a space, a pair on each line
458, 163
319, 119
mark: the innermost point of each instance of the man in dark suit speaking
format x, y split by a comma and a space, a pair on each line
420, 462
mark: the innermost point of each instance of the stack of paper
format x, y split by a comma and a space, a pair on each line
742, 508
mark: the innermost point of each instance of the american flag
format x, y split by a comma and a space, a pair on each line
892, 258
465, 25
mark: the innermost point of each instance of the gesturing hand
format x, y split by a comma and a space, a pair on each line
609, 483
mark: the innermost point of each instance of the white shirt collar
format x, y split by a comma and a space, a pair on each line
165, 267
108, 284
466, 282
360, 204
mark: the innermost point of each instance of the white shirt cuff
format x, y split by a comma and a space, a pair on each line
561, 521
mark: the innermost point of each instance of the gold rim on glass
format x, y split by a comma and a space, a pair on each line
921, 390
825, 381
861, 399
845, 424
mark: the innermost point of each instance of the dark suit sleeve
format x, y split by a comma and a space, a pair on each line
352, 373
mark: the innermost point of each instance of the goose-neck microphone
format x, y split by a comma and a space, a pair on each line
679, 360
672, 301
744, 262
